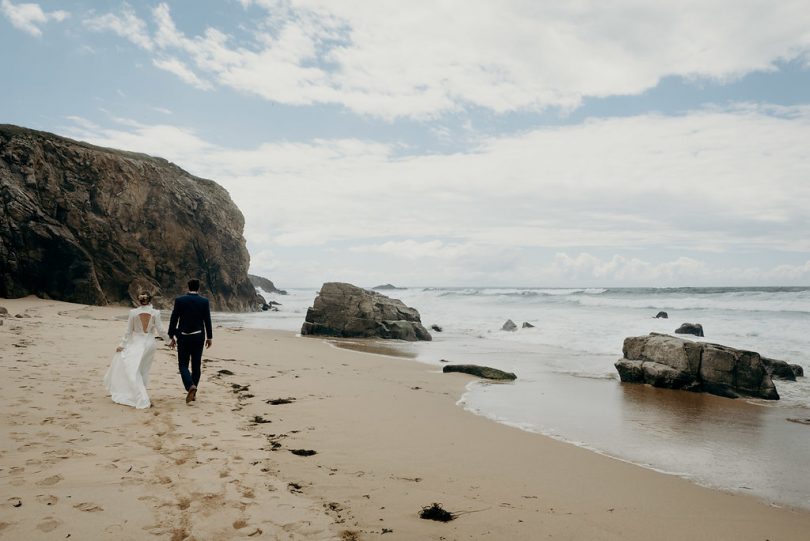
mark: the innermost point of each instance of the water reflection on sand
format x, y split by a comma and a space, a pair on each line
730, 444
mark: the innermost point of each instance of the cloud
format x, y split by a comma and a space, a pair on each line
717, 181
421, 60
29, 17
414, 250
126, 24
619, 269
175, 66
585, 268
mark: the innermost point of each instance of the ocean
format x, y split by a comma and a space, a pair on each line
567, 386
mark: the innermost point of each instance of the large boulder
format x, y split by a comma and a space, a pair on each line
480, 371
93, 225
675, 363
349, 311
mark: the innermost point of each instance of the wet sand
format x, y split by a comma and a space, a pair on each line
387, 435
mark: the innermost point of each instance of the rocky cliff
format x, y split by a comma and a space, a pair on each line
93, 225
267, 285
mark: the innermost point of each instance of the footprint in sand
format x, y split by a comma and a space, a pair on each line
47, 499
50, 481
48, 525
88, 507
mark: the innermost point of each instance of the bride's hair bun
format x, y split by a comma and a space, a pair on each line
144, 296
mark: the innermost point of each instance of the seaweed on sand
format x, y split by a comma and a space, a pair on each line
436, 512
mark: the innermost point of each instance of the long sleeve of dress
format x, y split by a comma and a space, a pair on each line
159, 330
128, 332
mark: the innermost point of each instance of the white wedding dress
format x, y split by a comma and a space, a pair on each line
128, 375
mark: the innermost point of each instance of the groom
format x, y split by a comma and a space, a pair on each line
190, 329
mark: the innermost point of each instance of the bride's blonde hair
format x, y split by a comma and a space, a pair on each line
144, 298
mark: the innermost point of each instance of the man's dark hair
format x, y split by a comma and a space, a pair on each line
194, 284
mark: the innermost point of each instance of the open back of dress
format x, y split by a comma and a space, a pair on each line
146, 320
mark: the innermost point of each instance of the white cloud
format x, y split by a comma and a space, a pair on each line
712, 182
126, 24
421, 59
29, 17
619, 269
415, 250
175, 66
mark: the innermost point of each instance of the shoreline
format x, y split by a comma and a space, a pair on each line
388, 434
713, 409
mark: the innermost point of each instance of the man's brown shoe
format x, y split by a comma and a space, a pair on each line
192, 394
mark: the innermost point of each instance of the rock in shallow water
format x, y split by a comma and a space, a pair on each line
674, 363
349, 311
782, 369
480, 371
690, 328
509, 326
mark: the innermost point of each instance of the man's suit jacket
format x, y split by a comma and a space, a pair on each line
191, 314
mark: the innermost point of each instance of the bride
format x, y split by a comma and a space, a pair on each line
128, 375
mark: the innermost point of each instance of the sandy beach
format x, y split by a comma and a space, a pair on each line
387, 434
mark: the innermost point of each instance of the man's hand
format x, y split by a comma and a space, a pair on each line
172, 343
208, 343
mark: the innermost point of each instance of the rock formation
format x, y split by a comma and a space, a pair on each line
346, 310
266, 285
93, 225
782, 369
385, 287
674, 363
690, 328
527, 325
662, 315
480, 371
509, 326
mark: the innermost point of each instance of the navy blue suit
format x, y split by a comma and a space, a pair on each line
190, 325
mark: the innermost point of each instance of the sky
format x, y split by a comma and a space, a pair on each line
454, 142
